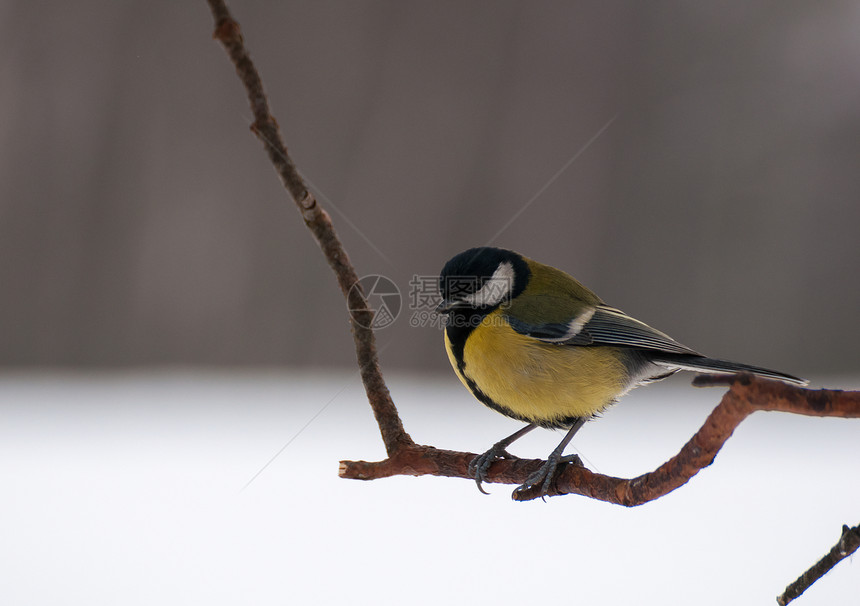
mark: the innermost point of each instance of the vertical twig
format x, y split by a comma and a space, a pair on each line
266, 129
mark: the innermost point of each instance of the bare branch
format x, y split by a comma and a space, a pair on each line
845, 546
746, 395
227, 32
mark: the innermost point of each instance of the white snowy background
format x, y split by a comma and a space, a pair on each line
141, 227
128, 489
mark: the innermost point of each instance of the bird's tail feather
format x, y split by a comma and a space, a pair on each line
712, 365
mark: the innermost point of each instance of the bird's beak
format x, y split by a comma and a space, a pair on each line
447, 305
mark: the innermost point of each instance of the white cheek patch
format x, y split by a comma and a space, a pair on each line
496, 289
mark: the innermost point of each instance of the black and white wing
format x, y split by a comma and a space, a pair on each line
601, 325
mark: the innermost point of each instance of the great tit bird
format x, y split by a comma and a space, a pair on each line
531, 342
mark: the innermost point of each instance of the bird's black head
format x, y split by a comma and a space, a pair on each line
482, 279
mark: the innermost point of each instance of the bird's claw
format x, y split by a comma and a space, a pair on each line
481, 464
545, 475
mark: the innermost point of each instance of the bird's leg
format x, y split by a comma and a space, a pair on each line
545, 474
480, 464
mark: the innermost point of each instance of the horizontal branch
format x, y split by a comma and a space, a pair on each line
746, 395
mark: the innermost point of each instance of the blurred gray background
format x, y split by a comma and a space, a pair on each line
141, 223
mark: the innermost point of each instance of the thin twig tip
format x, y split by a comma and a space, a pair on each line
711, 380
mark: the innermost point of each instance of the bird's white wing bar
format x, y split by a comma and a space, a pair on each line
555, 332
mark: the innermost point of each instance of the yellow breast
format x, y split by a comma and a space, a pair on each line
536, 381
